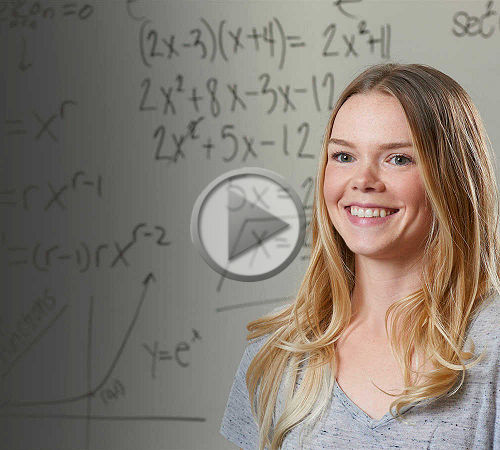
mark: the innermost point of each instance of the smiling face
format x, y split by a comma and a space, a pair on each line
364, 171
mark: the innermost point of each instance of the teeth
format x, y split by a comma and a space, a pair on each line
376, 212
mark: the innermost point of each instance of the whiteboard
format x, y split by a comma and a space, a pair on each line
115, 116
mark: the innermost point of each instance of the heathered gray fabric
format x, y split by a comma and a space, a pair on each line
470, 419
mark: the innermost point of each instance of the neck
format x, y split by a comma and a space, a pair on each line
378, 284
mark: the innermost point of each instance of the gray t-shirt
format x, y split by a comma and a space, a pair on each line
470, 419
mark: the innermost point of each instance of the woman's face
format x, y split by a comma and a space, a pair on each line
365, 172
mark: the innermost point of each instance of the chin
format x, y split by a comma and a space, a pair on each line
369, 249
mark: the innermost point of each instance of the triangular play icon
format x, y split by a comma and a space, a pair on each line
249, 225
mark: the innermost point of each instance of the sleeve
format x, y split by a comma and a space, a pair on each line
238, 424
496, 430
486, 336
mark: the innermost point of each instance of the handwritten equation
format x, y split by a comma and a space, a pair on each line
50, 197
28, 14
233, 144
43, 257
222, 41
215, 97
177, 355
36, 124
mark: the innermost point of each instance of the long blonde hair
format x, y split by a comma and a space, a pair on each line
461, 263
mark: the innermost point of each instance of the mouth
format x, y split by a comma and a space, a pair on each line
369, 221
393, 211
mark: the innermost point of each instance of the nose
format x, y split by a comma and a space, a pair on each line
366, 177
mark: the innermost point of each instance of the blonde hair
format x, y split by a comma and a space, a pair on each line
461, 264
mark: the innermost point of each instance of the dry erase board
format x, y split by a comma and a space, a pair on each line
114, 116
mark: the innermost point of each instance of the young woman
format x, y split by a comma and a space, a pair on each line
392, 340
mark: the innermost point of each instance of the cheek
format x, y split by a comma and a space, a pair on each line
413, 190
419, 208
330, 186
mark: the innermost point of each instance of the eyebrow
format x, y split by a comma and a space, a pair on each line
388, 146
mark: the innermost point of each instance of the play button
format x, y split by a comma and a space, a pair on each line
248, 224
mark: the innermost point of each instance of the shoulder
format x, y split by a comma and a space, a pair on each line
254, 345
484, 324
484, 330
279, 308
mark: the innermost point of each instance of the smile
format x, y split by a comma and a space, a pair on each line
368, 221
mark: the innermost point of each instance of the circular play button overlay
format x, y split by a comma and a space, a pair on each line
248, 224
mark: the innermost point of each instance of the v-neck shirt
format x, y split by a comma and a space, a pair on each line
468, 419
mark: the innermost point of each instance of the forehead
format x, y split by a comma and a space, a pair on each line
369, 116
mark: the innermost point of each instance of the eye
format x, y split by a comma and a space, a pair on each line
404, 157
335, 155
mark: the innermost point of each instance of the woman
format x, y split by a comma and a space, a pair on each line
380, 347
